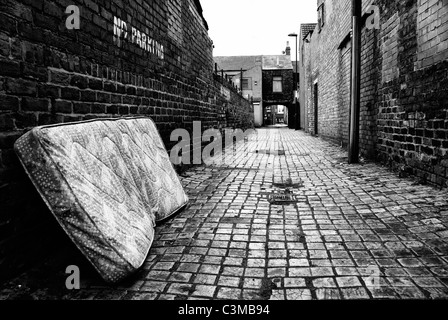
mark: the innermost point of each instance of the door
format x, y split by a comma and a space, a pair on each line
258, 113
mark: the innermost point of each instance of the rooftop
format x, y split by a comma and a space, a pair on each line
306, 28
277, 62
236, 63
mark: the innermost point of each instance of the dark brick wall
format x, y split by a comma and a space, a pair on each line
49, 74
413, 103
307, 77
404, 92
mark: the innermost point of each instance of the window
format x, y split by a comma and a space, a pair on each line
277, 84
321, 16
247, 84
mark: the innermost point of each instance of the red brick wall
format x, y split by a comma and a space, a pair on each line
49, 74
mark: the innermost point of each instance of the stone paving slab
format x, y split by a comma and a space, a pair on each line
351, 232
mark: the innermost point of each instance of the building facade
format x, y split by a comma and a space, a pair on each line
404, 74
246, 73
278, 86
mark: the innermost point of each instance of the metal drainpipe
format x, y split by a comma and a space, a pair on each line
353, 153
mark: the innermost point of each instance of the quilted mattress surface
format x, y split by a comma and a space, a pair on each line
107, 182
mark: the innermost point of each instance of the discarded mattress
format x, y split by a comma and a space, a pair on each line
107, 182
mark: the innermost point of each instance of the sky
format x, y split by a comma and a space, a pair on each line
256, 27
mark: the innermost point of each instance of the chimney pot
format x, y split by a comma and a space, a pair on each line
288, 49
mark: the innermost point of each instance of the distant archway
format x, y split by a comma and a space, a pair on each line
275, 114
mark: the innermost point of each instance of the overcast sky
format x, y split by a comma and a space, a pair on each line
256, 27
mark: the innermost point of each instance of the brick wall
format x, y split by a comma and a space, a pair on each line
255, 81
312, 56
305, 78
334, 75
371, 71
404, 77
413, 106
49, 74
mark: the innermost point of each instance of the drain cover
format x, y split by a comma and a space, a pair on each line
282, 198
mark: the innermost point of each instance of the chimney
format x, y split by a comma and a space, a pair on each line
288, 49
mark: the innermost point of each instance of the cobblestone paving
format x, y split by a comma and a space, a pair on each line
346, 232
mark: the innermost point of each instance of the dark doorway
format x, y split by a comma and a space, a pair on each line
316, 109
